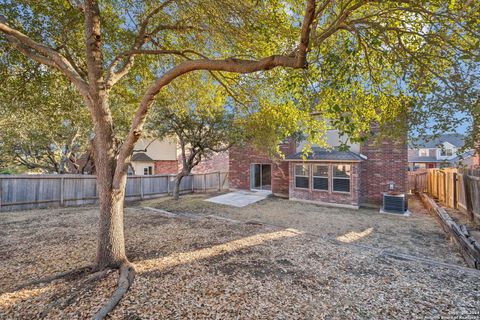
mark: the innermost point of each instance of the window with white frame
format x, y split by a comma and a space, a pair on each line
301, 176
341, 177
320, 177
148, 171
446, 152
423, 153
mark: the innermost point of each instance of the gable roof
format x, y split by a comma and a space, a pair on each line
140, 156
455, 139
321, 154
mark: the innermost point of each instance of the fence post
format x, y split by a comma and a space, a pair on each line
141, 187
415, 190
168, 184
219, 185
204, 182
193, 179
61, 191
455, 190
1, 191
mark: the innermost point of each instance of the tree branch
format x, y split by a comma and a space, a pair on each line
93, 47
43, 55
113, 76
298, 60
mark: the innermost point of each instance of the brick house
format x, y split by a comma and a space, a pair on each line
154, 157
164, 157
338, 178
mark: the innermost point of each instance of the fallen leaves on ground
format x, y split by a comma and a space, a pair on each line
212, 269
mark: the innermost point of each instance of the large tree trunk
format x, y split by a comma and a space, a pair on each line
176, 189
111, 241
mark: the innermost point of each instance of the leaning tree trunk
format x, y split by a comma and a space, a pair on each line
178, 180
176, 189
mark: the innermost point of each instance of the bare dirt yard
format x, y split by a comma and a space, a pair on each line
418, 234
196, 267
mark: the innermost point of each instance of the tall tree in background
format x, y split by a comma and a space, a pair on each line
41, 130
364, 60
200, 121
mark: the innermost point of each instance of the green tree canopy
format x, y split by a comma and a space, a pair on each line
202, 121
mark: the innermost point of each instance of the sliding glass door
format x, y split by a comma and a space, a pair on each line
261, 176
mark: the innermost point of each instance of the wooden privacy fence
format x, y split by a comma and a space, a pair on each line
417, 181
454, 188
18, 192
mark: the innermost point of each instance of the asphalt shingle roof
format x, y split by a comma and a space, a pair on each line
424, 159
324, 154
455, 139
465, 155
141, 157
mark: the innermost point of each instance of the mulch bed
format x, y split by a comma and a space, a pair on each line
211, 269
419, 234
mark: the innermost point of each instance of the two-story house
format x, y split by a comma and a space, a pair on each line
440, 152
351, 178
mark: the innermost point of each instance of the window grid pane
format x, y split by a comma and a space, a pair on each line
341, 185
320, 183
301, 170
320, 170
341, 171
301, 182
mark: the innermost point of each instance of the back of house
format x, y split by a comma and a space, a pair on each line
353, 178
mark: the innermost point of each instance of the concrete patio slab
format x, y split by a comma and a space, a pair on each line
240, 198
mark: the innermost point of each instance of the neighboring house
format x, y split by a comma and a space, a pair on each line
154, 157
164, 157
351, 178
440, 152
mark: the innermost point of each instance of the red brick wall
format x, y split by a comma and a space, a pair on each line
387, 162
340, 198
242, 156
166, 167
216, 162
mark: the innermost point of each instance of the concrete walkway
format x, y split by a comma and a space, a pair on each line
240, 198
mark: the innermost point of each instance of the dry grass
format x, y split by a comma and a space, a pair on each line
210, 269
418, 234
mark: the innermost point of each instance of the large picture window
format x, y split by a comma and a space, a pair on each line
301, 176
341, 177
320, 177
